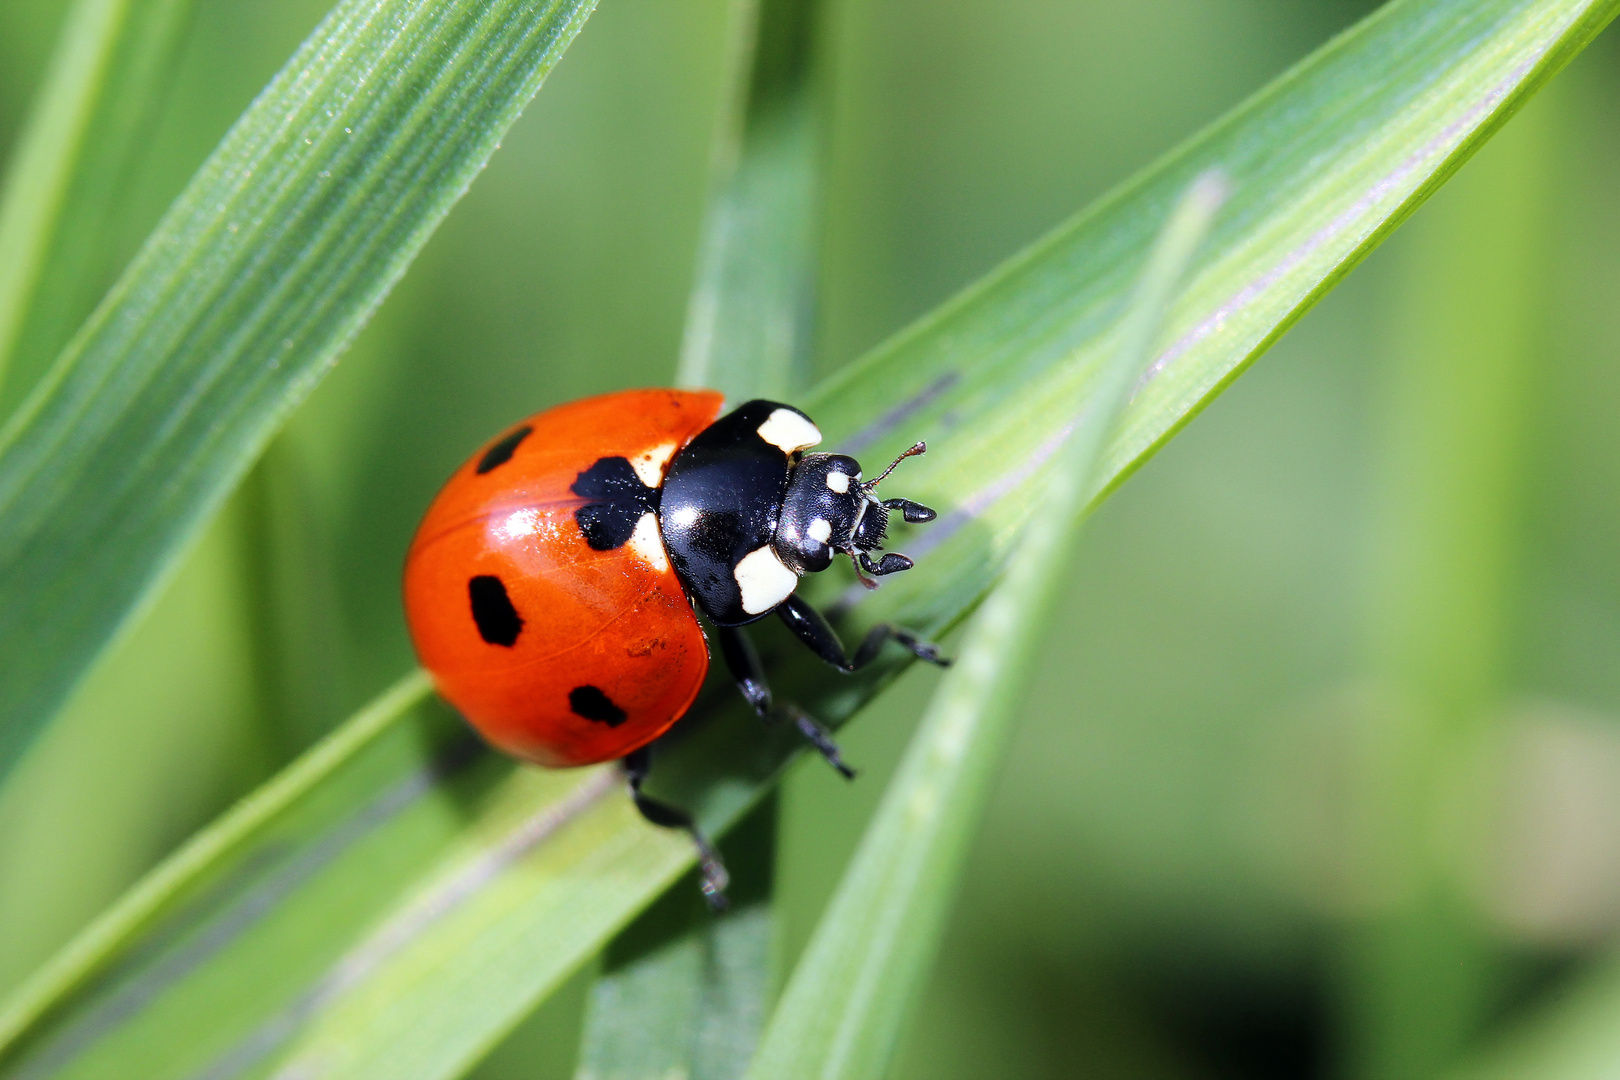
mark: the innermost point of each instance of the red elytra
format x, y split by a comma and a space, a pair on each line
558, 653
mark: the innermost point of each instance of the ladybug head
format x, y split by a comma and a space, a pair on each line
828, 510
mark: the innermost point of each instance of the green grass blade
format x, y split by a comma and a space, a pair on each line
748, 323
512, 878
209, 853
1323, 163
265, 267
841, 1015
98, 101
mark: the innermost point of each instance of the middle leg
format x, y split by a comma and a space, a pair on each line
749, 673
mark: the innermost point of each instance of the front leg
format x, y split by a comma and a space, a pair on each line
746, 669
814, 630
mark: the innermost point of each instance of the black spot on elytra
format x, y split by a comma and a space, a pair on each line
498, 621
589, 701
618, 499
501, 452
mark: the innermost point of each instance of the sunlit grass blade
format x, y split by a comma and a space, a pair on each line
748, 323
398, 829
98, 100
320, 775
265, 267
841, 1015
1321, 165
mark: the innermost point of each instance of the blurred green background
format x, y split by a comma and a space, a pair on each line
1320, 775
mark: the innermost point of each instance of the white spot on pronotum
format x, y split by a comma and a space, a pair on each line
820, 529
764, 580
838, 482
650, 465
789, 431
647, 544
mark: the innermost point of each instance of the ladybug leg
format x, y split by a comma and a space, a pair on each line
749, 673
637, 764
812, 629
820, 738
746, 669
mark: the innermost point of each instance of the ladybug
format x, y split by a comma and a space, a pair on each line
553, 587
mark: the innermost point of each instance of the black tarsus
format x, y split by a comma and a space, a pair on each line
749, 674
637, 763
820, 738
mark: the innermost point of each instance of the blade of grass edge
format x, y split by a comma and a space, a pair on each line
841, 1015
263, 270
99, 95
1324, 162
